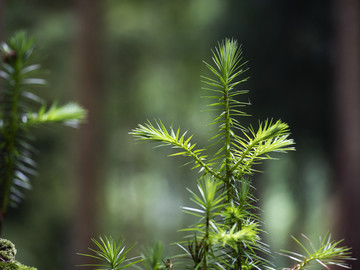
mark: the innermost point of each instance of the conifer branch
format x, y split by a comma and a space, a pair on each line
270, 137
149, 132
226, 70
329, 253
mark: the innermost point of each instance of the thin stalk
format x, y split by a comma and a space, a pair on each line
228, 157
206, 237
203, 164
228, 173
228, 168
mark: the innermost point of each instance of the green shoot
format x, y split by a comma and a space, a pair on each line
329, 253
111, 254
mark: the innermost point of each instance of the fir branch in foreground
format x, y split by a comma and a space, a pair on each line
270, 137
159, 133
329, 253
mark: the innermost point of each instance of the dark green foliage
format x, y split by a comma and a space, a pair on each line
22, 110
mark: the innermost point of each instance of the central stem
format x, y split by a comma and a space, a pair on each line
206, 245
228, 174
228, 168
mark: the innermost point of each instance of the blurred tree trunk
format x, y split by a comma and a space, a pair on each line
347, 74
89, 142
2, 6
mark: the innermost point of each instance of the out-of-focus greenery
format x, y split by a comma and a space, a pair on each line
152, 55
21, 111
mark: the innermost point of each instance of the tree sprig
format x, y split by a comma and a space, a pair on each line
111, 254
328, 253
227, 232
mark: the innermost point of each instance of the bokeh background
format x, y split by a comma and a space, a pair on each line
127, 61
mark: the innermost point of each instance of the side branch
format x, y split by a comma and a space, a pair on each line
149, 132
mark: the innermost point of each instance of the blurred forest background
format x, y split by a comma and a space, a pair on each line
129, 61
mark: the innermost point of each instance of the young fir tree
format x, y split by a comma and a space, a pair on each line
227, 234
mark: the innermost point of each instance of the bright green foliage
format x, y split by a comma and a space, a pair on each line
21, 110
227, 233
329, 253
206, 230
112, 254
176, 140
